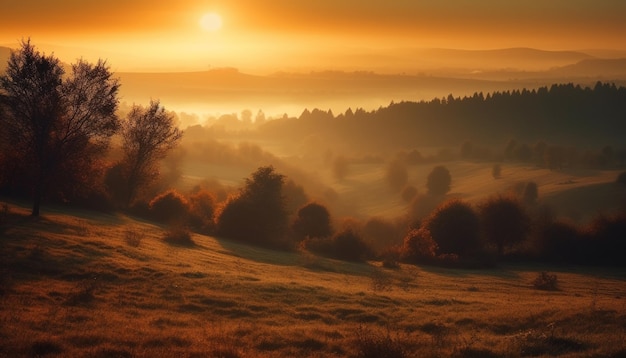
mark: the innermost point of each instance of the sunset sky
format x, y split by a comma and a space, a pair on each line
286, 34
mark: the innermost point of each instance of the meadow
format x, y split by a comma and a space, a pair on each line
75, 284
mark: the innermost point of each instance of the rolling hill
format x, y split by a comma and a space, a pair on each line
83, 284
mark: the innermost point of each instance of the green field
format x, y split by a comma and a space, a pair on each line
77, 284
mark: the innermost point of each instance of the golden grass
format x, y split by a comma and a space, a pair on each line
73, 286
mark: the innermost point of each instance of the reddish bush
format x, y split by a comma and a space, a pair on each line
418, 246
504, 221
169, 207
312, 220
455, 227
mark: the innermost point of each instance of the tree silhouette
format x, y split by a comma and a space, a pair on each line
504, 221
396, 175
147, 134
455, 227
438, 181
54, 119
257, 214
312, 220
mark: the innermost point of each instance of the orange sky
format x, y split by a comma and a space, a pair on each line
287, 34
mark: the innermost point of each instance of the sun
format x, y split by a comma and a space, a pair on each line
210, 22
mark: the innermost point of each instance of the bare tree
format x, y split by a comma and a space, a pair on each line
54, 119
147, 134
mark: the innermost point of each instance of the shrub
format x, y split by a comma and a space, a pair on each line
396, 175
504, 221
438, 181
312, 220
496, 171
133, 237
418, 246
379, 345
455, 227
345, 245
349, 246
340, 168
558, 241
169, 207
545, 281
380, 234
257, 214
607, 240
530, 193
422, 206
391, 258
202, 210
178, 235
621, 178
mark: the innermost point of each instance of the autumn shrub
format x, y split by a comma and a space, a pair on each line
376, 344
496, 171
606, 240
504, 221
178, 235
438, 181
391, 257
169, 207
202, 211
349, 246
559, 241
133, 237
312, 220
421, 207
455, 227
530, 193
381, 234
396, 175
418, 246
346, 245
545, 281
257, 214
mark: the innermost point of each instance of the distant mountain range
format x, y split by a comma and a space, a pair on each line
435, 73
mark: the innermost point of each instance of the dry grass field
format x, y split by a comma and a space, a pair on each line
89, 285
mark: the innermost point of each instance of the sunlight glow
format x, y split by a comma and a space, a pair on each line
211, 22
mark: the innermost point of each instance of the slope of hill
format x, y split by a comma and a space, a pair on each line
81, 284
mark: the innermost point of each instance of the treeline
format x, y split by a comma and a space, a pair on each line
561, 113
269, 211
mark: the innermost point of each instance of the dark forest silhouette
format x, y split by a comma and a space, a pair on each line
561, 112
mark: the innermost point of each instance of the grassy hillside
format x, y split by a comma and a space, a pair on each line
79, 284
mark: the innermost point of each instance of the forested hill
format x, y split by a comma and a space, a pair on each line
561, 113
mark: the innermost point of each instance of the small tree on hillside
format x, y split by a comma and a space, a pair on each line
397, 175
148, 134
418, 246
504, 221
312, 220
438, 181
455, 227
257, 214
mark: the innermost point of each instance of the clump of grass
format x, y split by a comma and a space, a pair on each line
379, 345
539, 343
133, 237
381, 281
179, 236
84, 292
82, 228
546, 281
